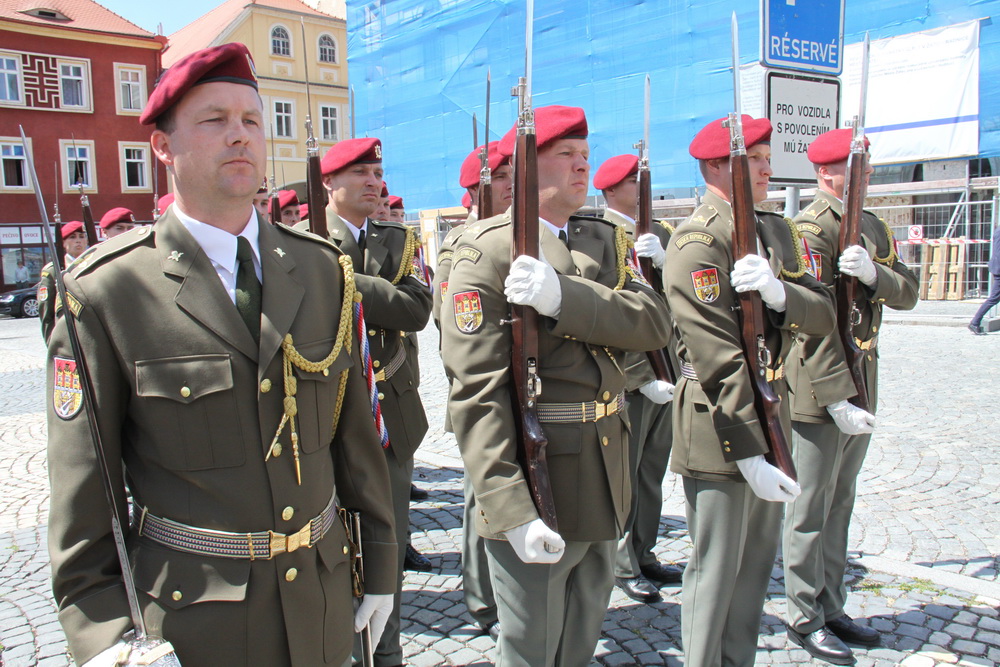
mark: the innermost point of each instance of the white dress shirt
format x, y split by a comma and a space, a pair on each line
220, 247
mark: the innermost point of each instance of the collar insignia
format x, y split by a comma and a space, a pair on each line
281, 253
175, 256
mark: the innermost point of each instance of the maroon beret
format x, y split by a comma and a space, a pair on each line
116, 215
71, 228
349, 151
551, 123
385, 190
469, 175
712, 143
615, 170
304, 211
163, 202
395, 202
230, 63
467, 200
832, 146
286, 198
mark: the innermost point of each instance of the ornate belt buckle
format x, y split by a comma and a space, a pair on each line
600, 411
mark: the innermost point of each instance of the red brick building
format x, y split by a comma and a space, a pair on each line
76, 76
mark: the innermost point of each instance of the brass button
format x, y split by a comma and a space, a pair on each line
381, 396
177, 595
185, 392
376, 363
725, 442
288, 513
291, 574
593, 352
345, 549
794, 325
606, 395
869, 357
276, 449
604, 441
874, 329
265, 386
371, 332
728, 449
326, 371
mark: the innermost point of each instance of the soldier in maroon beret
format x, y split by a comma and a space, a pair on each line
236, 478
551, 588
117, 221
288, 207
168, 199
500, 172
261, 201
734, 496
397, 213
830, 434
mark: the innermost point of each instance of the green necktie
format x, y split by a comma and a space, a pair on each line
247, 288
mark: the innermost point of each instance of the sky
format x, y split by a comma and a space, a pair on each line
174, 15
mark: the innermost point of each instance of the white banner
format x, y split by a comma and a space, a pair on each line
10, 236
31, 235
923, 94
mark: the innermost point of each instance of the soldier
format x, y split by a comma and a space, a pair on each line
552, 589
396, 211
648, 402
75, 244
382, 210
396, 299
236, 525
117, 221
733, 496
261, 201
831, 435
288, 206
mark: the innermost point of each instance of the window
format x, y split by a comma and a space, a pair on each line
283, 119
131, 88
328, 120
10, 79
14, 166
327, 49
77, 165
281, 44
134, 166
72, 84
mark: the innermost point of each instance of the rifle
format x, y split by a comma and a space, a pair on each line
527, 386
485, 175
88, 216
140, 642
315, 192
274, 208
751, 307
156, 192
855, 189
643, 225
59, 260
352, 523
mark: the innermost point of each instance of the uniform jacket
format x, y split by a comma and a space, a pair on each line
47, 295
190, 404
390, 310
818, 374
443, 269
715, 423
581, 359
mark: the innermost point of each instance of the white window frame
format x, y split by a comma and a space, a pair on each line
123, 162
319, 49
291, 118
323, 120
18, 78
85, 85
70, 187
120, 70
15, 142
270, 41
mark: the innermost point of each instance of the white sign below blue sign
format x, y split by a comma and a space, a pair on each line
805, 35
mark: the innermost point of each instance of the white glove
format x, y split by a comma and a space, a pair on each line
851, 419
767, 482
854, 261
532, 282
753, 273
658, 391
373, 611
530, 540
109, 656
648, 245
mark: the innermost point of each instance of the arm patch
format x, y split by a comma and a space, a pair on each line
468, 253
694, 237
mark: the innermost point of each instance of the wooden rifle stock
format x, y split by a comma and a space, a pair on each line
274, 208
316, 196
751, 315
88, 218
643, 225
848, 314
531, 441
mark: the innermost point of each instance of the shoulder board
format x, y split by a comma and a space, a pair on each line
309, 236
696, 236
106, 250
815, 209
388, 224
480, 227
703, 214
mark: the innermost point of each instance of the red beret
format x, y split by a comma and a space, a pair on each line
71, 228
231, 63
467, 200
551, 123
712, 143
832, 146
286, 198
469, 175
304, 211
349, 151
385, 190
163, 202
615, 170
115, 216
395, 202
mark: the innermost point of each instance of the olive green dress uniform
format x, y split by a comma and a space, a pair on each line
47, 296
191, 404
549, 614
735, 533
395, 300
649, 443
828, 461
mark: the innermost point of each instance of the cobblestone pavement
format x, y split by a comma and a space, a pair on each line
926, 547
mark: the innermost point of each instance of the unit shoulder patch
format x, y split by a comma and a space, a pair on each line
468, 311
468, 253
693, 237
75, 306
67, 393
810, 227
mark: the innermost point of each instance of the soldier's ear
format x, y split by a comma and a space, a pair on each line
160, 141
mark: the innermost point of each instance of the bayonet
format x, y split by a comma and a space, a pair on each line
485, 209
315, 192
274, 214
353, 128
88, 217
475, 132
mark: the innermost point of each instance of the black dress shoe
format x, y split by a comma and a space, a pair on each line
639, 589
417, 493
845, 628
416, 561
662, 574
492, 629
822, 644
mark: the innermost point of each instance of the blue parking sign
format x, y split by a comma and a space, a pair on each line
803, 35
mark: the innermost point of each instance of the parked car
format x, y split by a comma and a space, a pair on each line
20, 302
